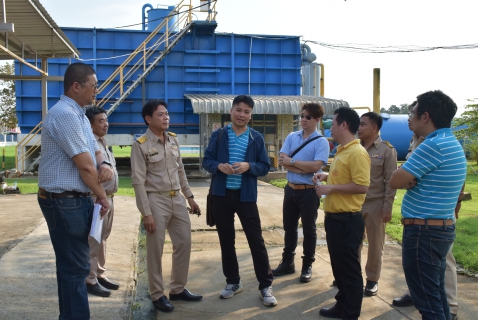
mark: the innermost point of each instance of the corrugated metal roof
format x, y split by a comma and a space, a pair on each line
211, 103
36, 29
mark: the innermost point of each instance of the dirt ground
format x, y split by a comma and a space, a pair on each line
28, 281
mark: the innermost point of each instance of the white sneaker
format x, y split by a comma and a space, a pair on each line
230, 290
267, 297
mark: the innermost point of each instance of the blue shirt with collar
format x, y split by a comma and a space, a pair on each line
315, 150
439, 165
66, 132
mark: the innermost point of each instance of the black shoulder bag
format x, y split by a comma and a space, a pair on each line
209, 217
303, 145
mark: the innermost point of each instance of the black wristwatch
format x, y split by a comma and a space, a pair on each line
191, 197
106, 162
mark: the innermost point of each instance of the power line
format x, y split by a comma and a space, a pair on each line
370, 48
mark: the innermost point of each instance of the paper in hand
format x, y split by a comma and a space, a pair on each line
97, 223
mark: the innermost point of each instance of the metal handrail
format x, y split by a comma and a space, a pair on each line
22, 143
146, 49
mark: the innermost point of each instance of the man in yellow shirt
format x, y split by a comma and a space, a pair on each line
347, 185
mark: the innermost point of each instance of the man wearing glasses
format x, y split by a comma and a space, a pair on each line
300, 199
71, 165
439, 167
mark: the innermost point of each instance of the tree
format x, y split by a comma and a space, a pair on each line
466, 128
396, 110
8, 115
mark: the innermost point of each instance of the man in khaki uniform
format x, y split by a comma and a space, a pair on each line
377, 208
158, 175
97, 283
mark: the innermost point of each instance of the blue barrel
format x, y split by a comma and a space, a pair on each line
156, 16
395, 130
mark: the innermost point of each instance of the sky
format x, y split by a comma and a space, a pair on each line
348, 75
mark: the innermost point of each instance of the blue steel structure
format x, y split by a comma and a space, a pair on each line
218, 63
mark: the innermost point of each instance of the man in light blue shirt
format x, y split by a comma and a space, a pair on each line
71, 165
300, 198
434, 175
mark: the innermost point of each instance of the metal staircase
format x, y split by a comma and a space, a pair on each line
135, 68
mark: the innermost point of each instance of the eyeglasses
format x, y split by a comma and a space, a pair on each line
308, 117
94, 85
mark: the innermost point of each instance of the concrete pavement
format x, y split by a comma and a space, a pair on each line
28, 283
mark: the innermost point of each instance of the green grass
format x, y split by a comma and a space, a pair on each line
466, 241
9, 157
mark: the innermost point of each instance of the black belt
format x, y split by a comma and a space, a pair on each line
233, 190
341, 216
66, 194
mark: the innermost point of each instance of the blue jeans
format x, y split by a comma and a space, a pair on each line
424, 250
69, 222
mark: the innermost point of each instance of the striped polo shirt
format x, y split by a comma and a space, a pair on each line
237, 153
439, 165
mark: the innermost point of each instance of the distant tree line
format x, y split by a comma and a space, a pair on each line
402, 109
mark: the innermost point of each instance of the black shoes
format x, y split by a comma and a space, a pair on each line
185, 295
98, 290
371, 288
306, 274
403, 301
108, 284
286, 266
333, 312
163, 304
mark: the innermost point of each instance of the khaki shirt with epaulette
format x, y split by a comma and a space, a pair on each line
156, 167
384, 161
112, 185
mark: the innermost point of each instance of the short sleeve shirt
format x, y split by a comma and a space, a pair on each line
315, 150
439, 165
66, 132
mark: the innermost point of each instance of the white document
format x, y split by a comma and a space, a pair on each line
96, 224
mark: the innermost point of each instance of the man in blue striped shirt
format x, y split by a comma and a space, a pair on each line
236, 156
434, 176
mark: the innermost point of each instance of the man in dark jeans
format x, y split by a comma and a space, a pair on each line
347, 184
71, 165
433, 175
304, 153
235, 157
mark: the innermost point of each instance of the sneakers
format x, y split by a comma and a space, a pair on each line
230, 290
267, 297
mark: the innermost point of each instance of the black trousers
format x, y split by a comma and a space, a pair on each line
301, 204
224, 209
344, 232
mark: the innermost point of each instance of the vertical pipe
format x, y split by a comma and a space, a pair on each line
322, 80
44, 92
94, 49
376, 90
5, 21
232, 66
143, 90
166, 79
23, 57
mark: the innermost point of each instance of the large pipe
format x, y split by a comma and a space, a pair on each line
376, 90
147, 5
322, 80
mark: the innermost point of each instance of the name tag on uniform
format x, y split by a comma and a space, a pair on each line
153, 152
377, 156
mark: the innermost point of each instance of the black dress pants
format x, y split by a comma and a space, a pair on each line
344, 233
301, 204
224, 209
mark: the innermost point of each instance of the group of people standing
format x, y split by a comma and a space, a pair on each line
357, 196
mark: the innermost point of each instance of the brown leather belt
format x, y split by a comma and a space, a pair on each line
430, 222
107, 196
66, 194
300, 186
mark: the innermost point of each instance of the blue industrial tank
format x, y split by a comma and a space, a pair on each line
156, 16
395, 130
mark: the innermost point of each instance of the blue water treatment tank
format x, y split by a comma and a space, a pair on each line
156, 16
395, 130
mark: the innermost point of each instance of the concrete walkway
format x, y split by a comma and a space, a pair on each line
28, 282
